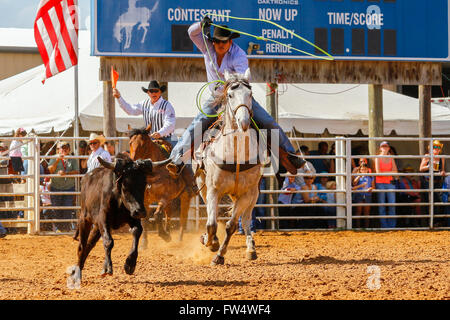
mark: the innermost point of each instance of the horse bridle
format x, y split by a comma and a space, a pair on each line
234, 111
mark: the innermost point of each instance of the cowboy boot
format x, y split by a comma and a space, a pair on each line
291, 161
179, 169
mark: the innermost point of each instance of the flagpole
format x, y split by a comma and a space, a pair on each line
76, 130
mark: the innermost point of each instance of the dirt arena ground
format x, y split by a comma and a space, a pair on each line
298, 265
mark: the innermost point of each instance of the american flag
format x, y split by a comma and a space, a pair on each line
56, 35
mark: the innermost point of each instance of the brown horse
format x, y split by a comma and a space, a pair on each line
163, 188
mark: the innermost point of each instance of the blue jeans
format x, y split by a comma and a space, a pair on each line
201, 123
257, 212
390, 197
62, 201
2, 229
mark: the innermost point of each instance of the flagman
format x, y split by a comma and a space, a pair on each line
155, 110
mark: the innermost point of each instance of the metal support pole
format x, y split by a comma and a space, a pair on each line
340, 182
431, 183
37, 178
348, 182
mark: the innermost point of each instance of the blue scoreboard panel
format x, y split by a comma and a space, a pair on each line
402, 30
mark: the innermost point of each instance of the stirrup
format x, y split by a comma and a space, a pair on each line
178, 167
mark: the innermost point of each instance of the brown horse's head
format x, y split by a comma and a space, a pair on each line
143, 147
139, 143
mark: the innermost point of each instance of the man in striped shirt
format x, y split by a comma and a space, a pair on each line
155, 110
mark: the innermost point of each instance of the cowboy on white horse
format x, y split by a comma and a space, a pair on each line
226, 56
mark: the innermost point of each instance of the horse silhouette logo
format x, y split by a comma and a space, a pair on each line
134, 16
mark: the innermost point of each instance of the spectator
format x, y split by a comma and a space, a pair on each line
438, 168
366, 183
322, 185
332, 161
95, 142
46, 202
289, 186
83, 150
257, 211
408, 182
385, 165
445, 197
15, 153
311, 197
110, 147
308, 167
331, 198
321, 165
63, 167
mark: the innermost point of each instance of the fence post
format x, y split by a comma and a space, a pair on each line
431, 183
37, 182
340, 181
348, 182
31, 185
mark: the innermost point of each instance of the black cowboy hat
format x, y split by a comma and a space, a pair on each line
223, 34
154, 85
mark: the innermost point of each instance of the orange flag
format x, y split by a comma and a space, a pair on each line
114, 77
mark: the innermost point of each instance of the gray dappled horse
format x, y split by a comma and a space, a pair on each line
229, 165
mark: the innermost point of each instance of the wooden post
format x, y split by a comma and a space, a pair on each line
424, 116
165, 94
272, 109
109, 110
375, 116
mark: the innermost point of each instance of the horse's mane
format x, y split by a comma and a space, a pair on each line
235, 77
137, 131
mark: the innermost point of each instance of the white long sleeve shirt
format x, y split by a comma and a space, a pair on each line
235, 60
93, 163
161, 114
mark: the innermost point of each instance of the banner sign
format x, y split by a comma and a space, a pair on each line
407, 30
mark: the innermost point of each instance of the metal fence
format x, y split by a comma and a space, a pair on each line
25, 198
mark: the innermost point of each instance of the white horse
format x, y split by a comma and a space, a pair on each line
134, 16
230, 166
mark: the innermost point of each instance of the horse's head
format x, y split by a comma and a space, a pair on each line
139, 142
238, 99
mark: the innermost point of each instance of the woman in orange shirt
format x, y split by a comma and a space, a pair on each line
385, 165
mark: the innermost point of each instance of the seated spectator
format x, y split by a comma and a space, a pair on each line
331, 198
63, 167
110, 147
321, 165
438, 169
311, 197
289, 186
366, 184
95, 143
308, 167
409, 182
46, 202
83, 150
445, 197
322, 185
15, 153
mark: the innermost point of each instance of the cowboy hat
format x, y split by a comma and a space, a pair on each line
154, 85
93, 136
221, 34
63, 144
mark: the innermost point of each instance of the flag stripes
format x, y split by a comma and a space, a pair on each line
56, 35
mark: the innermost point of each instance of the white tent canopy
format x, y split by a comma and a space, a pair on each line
310, 108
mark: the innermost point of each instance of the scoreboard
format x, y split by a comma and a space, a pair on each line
387, 30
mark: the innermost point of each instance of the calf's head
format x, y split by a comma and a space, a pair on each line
130, 180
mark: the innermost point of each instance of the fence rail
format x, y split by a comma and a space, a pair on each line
27, 200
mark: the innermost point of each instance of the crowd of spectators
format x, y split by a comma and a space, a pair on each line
61, 166
309, 188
